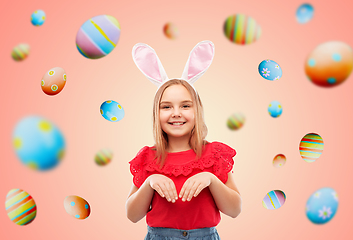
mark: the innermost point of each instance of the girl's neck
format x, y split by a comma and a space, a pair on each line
178, 144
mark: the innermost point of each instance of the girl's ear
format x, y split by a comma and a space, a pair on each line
149, 64
200, 59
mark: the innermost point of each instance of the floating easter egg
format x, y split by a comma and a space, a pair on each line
103, 157
53, 81
38, 143
275, 109
112, 111
279, 160
270, 70
322, 205
305, 13
311, 147
274, 199
235, 121
98, 36
20, 207
170, 31
38, 18
329, 64
20, 52
241, 29
77, 207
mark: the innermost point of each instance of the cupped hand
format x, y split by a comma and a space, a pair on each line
194, 185
164, 186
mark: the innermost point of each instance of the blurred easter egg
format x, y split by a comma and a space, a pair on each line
270, 70
38, 17
53, 81
305, 13
235, 121
103, 157
112, 111
279, 160
170, 31
322, 205
241, 29
98, 36
329, 64
275, 109
77, 207
20, 52
38, 143
274, 199
311, 147
20, 207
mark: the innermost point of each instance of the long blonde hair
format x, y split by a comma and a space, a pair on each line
198, 133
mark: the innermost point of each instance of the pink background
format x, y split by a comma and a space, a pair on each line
232, 84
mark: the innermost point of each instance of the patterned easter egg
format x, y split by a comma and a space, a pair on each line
98, 36
329, 64
274, 199
103, 157
77, 207
235, 121
241, 29
112, 111
304, 13
53, 81
311, 147
20, 207
38, 17
270, 70
322, 205
279, 160
20, 52
275, 109
38, 143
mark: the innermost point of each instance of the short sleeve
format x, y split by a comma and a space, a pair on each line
137, 166
223, 160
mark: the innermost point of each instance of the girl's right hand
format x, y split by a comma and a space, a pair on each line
164, 186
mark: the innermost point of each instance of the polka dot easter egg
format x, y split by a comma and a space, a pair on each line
20, 52
98, 36
275, 109
322, 205
77, 207
53, 81
38, 18
311, 147
279, 160
329, 64
170, 31
274, 200
112, 111
103, 157
235, 121
20, 207
270, 70
304, 13
38, 143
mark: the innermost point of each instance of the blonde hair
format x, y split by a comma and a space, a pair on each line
198, 133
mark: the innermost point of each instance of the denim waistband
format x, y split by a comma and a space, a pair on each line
172, 232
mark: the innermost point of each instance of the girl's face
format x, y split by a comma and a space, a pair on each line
176, 112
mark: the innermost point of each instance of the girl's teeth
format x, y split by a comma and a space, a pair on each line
177, 123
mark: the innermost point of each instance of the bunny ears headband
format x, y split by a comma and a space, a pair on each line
199, 61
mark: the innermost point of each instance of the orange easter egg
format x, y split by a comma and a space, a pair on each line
53, 81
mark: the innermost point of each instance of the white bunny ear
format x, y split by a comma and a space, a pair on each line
149, 64
200, 59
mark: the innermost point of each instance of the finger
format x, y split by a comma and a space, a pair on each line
175, 195
192, 190
198, 190
159, 190
187, 190
181, 193
166, 190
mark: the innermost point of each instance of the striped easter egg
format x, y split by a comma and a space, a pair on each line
236, 121
241, 29
311, 147
103, 157
20, 207
274, 199
98, 36
20, 52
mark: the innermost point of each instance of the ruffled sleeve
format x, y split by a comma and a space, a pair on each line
137, 166
222, 158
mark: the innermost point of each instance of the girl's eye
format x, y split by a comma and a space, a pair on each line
186, 106
164, 107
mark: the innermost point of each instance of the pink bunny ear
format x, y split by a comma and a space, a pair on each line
200, 59
149, 64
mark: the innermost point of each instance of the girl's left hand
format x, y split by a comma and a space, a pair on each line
194, 185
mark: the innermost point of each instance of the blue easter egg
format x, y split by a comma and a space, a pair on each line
38, 143
305, 13
112, 111
322, 205
38, 18
275, 109
270, 70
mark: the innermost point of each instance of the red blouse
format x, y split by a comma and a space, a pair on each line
201, 211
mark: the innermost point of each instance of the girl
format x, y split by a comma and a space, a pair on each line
182, 182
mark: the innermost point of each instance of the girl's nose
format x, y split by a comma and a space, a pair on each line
176, 114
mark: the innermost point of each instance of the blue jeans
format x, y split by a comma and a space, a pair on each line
159, 233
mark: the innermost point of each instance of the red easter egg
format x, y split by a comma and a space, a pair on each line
53, 81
